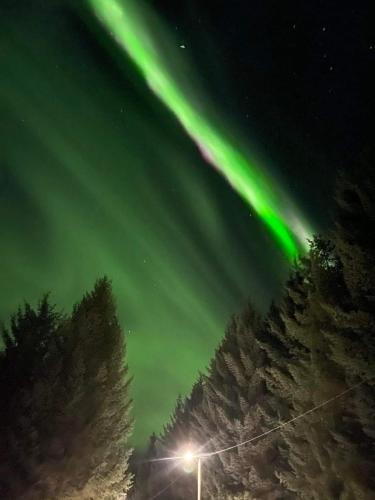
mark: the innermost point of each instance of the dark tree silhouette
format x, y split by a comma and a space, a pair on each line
65, 420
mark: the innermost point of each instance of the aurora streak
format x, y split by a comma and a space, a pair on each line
125, 22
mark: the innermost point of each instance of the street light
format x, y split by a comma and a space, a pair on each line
188, 457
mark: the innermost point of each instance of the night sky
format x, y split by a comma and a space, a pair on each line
98, 177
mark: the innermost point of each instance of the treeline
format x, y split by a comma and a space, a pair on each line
318, 341
64, 403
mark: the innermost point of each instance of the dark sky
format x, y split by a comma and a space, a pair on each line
296, 75
97, 177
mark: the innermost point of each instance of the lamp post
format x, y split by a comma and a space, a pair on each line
199, 478
188, 458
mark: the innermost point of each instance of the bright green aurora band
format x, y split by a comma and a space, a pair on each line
125, 22
97, 178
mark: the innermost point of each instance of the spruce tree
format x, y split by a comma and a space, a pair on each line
322, 343
29, 369
65, 422
301, 375
95, 401
234, 410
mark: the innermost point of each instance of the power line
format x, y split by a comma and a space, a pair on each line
259, 436
263, 434
283, 424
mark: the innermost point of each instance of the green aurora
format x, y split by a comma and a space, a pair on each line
95, 178
125, 23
